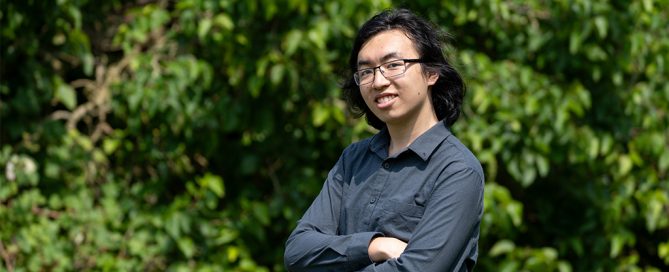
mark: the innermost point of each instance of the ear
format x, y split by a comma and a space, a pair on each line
432, 78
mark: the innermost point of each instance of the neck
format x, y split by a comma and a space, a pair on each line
401, 136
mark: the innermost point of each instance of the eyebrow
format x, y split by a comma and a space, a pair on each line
386, 57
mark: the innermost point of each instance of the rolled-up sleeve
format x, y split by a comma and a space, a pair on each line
315, 245
448, 231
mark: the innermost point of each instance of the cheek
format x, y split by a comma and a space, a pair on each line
365, 95
369, 102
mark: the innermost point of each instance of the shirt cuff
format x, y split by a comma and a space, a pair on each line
357, 251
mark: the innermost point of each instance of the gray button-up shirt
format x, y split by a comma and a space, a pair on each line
429, 195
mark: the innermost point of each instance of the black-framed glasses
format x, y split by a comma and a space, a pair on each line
393, 68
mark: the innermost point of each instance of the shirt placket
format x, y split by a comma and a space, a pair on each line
376, 190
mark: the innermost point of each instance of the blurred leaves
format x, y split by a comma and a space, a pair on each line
188, 135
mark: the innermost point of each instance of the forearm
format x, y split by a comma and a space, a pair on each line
310, 250
385, 248
448, 233
421, 260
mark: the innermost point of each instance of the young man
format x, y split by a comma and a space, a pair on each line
410, 198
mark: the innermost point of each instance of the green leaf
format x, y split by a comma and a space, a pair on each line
601, 25
624, 164
276, 74
224, 21
616, 245
502, 247
232, 253
226, 236
542, 165
110, 145
292, 41
515, 211
663, 163
574, 42
663, 251
65, 94
593, 149
186, 246
213, 183
203, 28
319, 115
261, 212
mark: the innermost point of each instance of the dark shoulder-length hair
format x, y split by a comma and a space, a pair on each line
447, 92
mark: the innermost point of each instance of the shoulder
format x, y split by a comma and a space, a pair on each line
365, 146
360, 156
457, 157
356, 148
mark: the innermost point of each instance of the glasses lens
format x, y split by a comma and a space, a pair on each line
364, 76
388, 69
393, 68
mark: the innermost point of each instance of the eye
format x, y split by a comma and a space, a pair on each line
365, 72
394, 65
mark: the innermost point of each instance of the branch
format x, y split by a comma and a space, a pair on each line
6, 257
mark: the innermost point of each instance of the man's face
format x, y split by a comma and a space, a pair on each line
400, 100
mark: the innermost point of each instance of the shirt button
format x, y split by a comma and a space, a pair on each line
372, 201
386, 165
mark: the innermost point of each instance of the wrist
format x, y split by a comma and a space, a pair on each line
374, 251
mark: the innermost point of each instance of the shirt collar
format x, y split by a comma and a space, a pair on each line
380, 142
423, 146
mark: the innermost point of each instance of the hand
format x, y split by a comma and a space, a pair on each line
384, 248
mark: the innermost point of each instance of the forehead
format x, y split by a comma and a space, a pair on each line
391, 43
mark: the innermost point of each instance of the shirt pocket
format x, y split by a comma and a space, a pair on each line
400, 219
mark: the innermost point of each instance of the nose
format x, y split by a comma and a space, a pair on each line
379, 80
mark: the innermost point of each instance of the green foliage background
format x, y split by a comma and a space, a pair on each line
190, 135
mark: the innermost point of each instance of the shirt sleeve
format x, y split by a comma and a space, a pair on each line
315, 245
443, 239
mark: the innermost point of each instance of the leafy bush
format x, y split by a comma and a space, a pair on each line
191, 134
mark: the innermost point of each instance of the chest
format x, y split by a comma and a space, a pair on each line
387, 196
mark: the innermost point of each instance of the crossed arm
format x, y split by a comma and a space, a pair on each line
383, 248
440, 242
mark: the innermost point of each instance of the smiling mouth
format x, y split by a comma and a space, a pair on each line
385, 100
